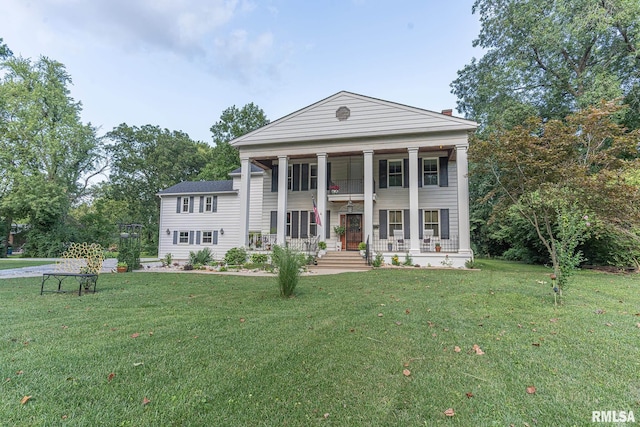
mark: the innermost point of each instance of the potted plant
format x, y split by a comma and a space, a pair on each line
322, 249
334, 189
122, 267
438, 248
362, 247
339, 230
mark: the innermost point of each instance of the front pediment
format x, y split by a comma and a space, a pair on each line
347, 115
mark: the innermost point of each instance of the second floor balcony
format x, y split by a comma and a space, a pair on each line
347, 189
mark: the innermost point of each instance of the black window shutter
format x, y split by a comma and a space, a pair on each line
328, 176
197, 237
407, 224
444, 223
420, 175
273, 222
405, 172
179, 205
191, 237
304, 224
214, 204
175, 237
201, 204
296, 177
444, 171
191, 204
274, 178
214, 239
304, 185
420, 224
383, 223
327, 225
295, 225
382, 173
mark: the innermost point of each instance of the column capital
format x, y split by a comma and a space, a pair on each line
412, 149
245, 157
322, 154
462, 147
367, 151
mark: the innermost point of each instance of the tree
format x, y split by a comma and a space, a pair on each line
233, 123
145, 160
549, 57
47, 155
559, 175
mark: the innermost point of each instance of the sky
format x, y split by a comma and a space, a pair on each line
179, 64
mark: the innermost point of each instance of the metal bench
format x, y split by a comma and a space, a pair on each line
81, 261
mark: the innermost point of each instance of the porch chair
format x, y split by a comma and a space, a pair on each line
398, 237
427, 236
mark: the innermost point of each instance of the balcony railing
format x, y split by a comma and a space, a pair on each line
347, 186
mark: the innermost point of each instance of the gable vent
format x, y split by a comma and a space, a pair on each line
343, 113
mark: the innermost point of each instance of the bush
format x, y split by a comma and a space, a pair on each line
378, 260
407, 260
288, 263
259, 258
202, 257
235, 256
362, 246
167, 260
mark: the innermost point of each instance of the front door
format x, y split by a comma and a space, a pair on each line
353, 235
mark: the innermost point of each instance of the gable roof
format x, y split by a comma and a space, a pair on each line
349, 115
199, 187
254, 169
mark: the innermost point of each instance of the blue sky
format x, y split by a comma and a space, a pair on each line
179, 63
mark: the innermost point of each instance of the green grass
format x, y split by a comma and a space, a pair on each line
228, 351
7, 263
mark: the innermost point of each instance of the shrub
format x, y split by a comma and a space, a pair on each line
288, 263
259, 258
202, 257
235, 256
167, 260
395, 260
407, 260
378, 260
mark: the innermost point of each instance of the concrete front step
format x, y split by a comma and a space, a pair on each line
342, 260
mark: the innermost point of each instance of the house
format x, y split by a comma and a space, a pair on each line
391, 175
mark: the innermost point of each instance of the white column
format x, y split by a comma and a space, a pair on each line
245, 197
368, 196
413, 201
321, 199
462, 168
283, 179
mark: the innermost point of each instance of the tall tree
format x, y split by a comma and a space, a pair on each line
233, 123
47, 155
549, 57
145, 160
557, 174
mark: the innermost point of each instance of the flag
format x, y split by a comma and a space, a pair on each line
315, 211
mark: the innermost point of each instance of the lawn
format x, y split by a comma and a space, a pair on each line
362, 349
7, 263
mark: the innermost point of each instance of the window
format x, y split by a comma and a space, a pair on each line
207, 237
288, 224
185, 204
395, 221
184, 235
208, 203
313, 176
313, 227
290, 178
395, 174
430, 172
430, 219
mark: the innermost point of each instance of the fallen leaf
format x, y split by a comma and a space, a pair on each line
380, 314
145, 401
110, 377
554, 320
638, 325
457, 349
326, 415
407, 311
449, 412
478, 350
19, 372
608, 324
136, 335
519, 325
65, 327
150, 333
242, 320
531, 390
138, 364
469, 395
398, 323
535, 344
406, 372
25, 400
64, 417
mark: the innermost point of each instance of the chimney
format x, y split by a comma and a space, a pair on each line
448, 112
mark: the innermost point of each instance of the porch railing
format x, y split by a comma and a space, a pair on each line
403, 245
265, 242
347, 186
